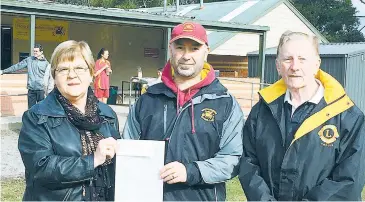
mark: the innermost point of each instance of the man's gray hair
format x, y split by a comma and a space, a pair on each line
289, 35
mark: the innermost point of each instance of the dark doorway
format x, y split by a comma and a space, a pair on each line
6, 47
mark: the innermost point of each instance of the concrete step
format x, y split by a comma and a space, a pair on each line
13, 105
22, 77
246, 94
246, 103
13, 91
234, 80
241, 86
13, 83
243, 90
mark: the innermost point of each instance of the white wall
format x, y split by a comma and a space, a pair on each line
279, 20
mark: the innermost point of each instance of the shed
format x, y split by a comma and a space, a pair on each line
344, 61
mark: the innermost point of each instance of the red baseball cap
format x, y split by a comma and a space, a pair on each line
190, 30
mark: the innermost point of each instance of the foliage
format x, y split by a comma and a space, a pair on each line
335, 19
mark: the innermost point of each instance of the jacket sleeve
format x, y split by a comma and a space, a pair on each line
48, 80
21, 65
253, 184
132, 129
41, 163
224, 165
348, 176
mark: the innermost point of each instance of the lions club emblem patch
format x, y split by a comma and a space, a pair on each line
208, 114
328, 135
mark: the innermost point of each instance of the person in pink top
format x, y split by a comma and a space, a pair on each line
102, 72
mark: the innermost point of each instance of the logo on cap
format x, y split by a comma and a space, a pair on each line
188, 27
189, 30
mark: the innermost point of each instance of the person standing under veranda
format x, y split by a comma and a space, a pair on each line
37, 67
198, 119
305, 138
102, 75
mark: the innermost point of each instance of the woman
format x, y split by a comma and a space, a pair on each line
67, 142
102, 72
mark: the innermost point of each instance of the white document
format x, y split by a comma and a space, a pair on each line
137, 174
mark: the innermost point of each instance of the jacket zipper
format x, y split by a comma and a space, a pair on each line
178, 116
164, 118
77, 181
215, 193
281, 130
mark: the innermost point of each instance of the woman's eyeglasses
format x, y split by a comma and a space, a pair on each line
66, 71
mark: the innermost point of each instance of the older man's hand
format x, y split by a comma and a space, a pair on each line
173, 172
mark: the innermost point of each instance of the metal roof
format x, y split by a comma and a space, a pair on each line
242, 11
119, 16
329, 49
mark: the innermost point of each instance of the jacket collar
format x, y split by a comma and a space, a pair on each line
332, 89
50, 106
315, 99
333, 103
41, 59
208, 85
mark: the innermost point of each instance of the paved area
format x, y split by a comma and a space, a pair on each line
11, 163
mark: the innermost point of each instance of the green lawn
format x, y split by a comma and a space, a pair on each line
12, 190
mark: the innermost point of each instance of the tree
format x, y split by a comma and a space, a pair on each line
335, 19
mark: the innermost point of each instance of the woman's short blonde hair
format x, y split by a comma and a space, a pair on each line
289, 35
68, 51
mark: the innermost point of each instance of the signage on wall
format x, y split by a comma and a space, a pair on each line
45, 30
151, 52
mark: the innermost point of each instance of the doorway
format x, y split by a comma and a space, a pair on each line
6, 47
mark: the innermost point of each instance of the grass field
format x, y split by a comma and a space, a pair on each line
12, 190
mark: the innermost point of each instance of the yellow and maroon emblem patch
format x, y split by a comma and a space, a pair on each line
188, 27
328, 135
208, 114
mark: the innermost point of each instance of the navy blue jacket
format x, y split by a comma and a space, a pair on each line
210, 155
325, 160
50, 147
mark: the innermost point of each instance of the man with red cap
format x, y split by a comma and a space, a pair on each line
196, 116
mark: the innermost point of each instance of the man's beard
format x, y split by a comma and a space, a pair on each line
185, 73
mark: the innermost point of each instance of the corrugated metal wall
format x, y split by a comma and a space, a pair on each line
335, 66
355, 79
332, 65
350, 72
271, 74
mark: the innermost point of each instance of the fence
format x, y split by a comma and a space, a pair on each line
244, 90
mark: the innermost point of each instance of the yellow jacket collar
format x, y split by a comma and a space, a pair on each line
332, 88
